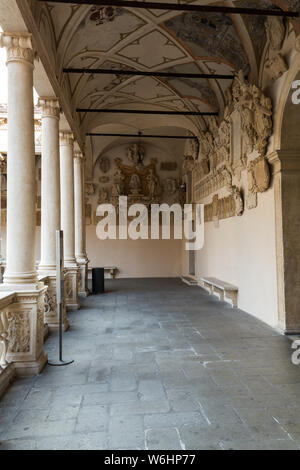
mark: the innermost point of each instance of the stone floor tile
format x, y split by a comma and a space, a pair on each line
163, 439
146, 359
126, 432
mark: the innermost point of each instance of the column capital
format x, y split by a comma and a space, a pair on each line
18, 47
79, 156
66, 138
285, 160
49, 107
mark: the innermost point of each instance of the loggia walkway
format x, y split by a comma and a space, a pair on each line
159, 365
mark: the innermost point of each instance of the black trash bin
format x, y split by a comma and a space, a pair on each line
98, 280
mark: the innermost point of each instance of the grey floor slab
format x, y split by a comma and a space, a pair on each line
159, 365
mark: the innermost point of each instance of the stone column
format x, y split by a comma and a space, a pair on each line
67, 219
80, 244
50, 205
286, 174
26, 315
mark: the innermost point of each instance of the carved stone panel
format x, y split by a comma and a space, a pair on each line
236, 149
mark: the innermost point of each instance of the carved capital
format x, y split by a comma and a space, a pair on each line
49, 107
66, 138
18, 47
79, 157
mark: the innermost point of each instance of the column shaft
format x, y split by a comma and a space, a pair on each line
26, 313
80, 244
68, 218
50, 183
21, 183
67, 196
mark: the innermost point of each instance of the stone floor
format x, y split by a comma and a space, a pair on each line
159, 365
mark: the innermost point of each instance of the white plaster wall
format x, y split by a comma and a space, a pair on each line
242, 251
136, 258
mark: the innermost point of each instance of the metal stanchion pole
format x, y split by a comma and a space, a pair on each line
60, 297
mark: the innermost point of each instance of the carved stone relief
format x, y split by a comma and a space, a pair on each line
104, 164
18, 331
103, 196
103, 179
136, 153
258, 173
138, 182
276, 64
276, 67
275, 30
226, 146
203, 188
225, 207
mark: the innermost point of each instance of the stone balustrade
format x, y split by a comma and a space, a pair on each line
7, 369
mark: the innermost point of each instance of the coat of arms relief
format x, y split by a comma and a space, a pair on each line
239, 142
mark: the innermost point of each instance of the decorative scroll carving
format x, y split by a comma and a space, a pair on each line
50, 305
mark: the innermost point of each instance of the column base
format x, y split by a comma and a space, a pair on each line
83, 266
25, 316
28, 369
71, 287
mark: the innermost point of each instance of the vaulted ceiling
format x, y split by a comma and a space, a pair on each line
151, 40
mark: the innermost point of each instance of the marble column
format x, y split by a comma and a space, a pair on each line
80, 233
50, 206
67, 219
26, 314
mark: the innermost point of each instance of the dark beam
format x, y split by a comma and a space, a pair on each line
145, 111
150, 74
144, 136
181, 7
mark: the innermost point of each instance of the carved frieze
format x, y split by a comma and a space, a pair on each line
225, 207
203, 188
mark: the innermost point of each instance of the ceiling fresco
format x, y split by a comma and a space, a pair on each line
210, 34
148, 40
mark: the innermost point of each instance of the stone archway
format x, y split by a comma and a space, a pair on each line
286, 172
